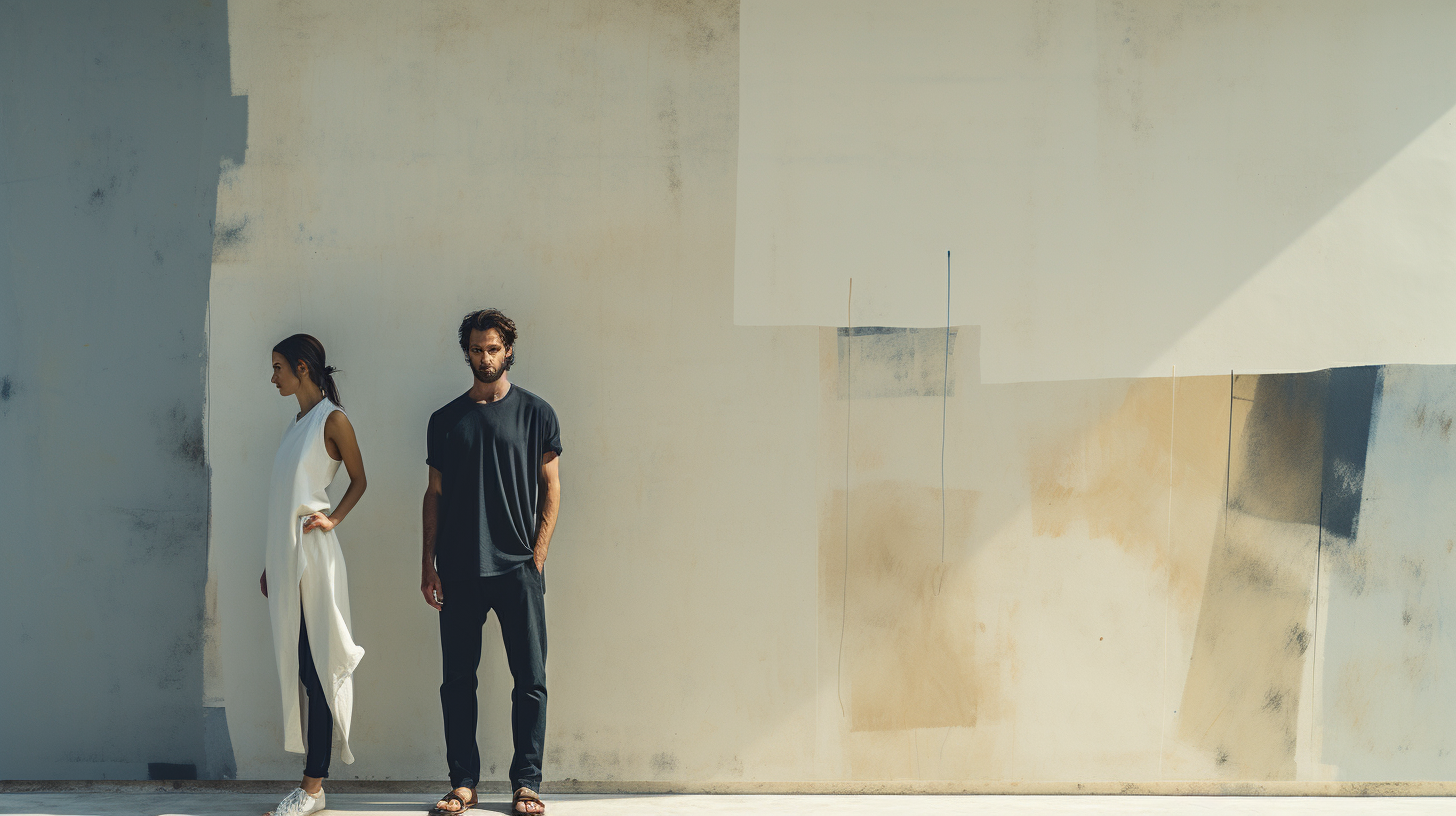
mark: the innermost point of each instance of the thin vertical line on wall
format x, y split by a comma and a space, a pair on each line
1319, 543
944, 396
848, 405
1168, 588
1228, 468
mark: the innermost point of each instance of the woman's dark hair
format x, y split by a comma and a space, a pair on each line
305, 348
489, 319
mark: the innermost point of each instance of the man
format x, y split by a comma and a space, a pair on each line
489, 512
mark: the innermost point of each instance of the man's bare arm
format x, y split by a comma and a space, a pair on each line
429, 579
550, 504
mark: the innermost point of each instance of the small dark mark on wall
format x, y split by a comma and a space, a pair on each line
664, 763
1298, 638
1274, 700
182, 433
229, 235
672, 148
163, 534
5, 389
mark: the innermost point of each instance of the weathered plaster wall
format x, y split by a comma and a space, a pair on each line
113, 118
786, 553
845, 554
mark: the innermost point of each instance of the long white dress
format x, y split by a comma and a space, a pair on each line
306, 572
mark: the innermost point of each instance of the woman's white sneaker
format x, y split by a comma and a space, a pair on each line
300, 802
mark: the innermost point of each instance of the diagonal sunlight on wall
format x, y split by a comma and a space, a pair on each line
1106, 174
1372, 282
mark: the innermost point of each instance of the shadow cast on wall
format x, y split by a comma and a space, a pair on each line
115, 120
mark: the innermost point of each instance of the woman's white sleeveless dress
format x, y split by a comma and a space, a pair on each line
306, 574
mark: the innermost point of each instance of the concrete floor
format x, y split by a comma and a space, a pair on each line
251, 804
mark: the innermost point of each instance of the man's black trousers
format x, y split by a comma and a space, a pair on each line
518, 598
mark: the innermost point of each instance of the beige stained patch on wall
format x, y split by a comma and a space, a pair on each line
1242, 696
908, 657
1069, 594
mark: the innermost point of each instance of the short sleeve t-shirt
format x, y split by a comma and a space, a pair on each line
489, 457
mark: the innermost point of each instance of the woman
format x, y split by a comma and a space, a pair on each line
309, 601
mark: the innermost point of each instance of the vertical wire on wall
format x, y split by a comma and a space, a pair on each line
1228, 469
848, 405
944, 395
1168, 587
1319, 545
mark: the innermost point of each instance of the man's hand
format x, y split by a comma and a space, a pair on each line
263, 583
431, 589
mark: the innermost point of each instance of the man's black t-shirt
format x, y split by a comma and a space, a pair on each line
489, 457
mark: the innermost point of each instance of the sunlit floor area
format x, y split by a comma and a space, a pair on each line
249, 804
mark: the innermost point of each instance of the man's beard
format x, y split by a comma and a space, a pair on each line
487, 376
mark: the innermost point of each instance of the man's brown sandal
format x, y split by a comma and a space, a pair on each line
526, 795
452, 796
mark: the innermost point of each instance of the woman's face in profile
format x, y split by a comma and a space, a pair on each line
283, 376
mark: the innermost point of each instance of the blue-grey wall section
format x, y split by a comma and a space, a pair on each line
113, 120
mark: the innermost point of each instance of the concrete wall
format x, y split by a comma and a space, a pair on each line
901, 543
113, 119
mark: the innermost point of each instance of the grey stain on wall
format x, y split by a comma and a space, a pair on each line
181, 434
887, 361
229, 237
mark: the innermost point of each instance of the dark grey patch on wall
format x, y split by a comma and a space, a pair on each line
1305, 440
1284, 448
218, 744
886, 361
1349, 410
171, 770
664, 763
116, 118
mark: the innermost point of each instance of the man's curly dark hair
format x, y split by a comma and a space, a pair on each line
489, 319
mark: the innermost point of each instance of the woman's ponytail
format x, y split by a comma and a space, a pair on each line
306, 349
330, 389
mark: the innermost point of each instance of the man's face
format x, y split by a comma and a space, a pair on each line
488, 353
